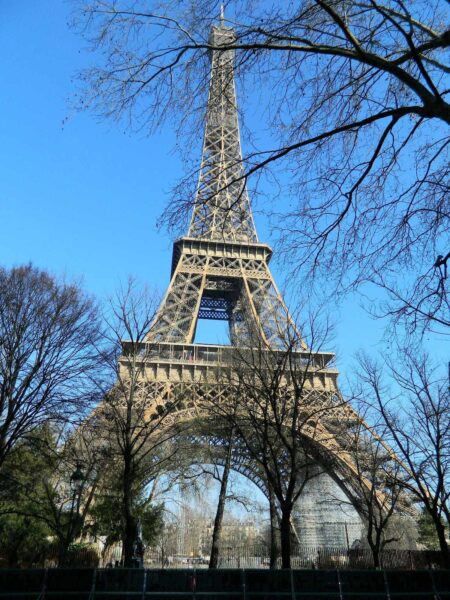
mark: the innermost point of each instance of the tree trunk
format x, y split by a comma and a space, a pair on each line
375, 555
373, 537
13, 558
63, 550
274, 526
443, 544
129, 541
285, 531
130, 524
66, 537
214, 558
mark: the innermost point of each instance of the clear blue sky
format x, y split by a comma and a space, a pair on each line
82, 197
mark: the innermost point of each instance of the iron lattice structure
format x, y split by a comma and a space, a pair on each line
220, 271
222, 207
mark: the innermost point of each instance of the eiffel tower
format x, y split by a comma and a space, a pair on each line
220, 271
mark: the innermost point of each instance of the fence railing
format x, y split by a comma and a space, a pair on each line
303, 558
210, 353
237, 584
244, 557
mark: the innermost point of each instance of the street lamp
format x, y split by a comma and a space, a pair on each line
76, 479
76, 485
72, 524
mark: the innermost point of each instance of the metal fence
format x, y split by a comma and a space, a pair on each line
251, 557
244, 557
237, 584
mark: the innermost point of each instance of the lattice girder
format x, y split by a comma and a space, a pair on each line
238, 277
193, 402
222, 207
207, 447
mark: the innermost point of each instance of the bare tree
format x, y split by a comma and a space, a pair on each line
49, 361
274, 529
211, 444
377, 483
130, 422
223, 478
279, 417
355, 96
416, 413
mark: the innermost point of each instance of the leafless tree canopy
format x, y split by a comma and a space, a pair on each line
377, 480
49, 362
126, 425
355, 97
275, 410
413, 399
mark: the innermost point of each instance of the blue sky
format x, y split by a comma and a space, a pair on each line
81, 197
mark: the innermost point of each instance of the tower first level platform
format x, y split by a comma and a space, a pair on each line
212, 364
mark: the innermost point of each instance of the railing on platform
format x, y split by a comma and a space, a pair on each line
210, 354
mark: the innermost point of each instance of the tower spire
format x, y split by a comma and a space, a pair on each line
222, 208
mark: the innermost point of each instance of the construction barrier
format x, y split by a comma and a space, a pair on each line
223, 584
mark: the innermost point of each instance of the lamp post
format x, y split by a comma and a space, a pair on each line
69, 519
76, 481
76, 485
